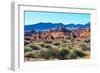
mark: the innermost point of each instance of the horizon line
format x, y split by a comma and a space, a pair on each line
58, 23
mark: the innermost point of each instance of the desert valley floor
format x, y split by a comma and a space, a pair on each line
58, 44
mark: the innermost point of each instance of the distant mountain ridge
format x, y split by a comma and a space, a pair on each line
46, 26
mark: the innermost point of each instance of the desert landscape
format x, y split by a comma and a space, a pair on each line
56, 42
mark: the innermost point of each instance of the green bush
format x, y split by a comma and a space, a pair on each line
26, 49
63, 54
49, 53
56, 43
42, 45
48, 42
70, 47
87, 40
64, 41
30, 54
63, 45
44, 55
72, 55
48, 46
84, 47
26, 42
35, 47
79, 53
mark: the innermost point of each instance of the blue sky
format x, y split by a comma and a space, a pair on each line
32, 17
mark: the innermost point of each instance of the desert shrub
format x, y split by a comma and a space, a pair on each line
48, 42
31, 54
42, 45
70, 47
72, 40
48, 46
84, 47
87, 41
64, 41
79, 53
44, 55
63, 54
27, 38
26, 49
48, 54
26, 42
88, 49
72, 55
68, 37
56, 43
63, 45
53, 52
35, 47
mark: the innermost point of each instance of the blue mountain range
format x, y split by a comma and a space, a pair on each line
47, 26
